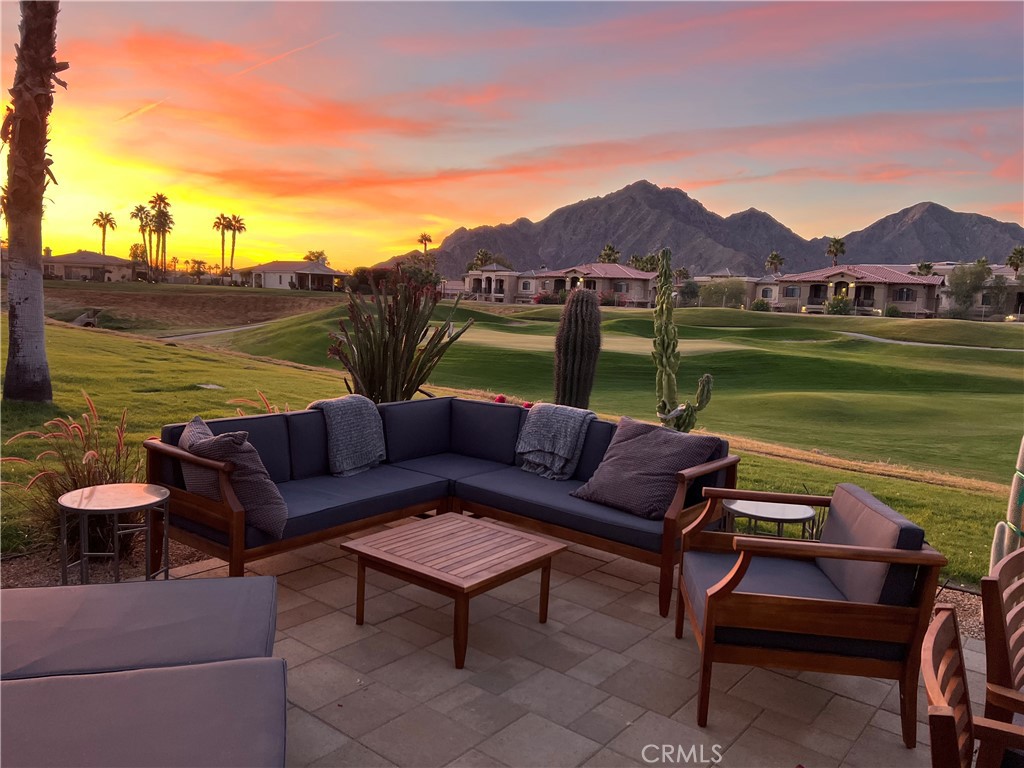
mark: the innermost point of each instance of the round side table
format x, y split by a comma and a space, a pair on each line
113, 499
770, 512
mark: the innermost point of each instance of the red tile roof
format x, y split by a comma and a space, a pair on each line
874, 273
597, 269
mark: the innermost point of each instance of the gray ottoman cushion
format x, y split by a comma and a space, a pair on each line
229, 713
108, 627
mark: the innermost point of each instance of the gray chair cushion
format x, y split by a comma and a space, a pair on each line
638, 472
259, 497
110, 627
775, 576
452, 466
415, 428
856, 517
307, 444
530, 495
229, 713
485, 430
267, 432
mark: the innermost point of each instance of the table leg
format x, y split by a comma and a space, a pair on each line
147, 520
116, 535
780, 530
63, 547
166, 512
545, 586
460, 637
83, 547
360, 589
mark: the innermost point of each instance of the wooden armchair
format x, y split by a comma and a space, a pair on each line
1002, 596
856, 602
953, 729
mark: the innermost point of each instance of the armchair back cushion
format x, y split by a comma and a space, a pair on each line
599, 435
268, 434
857, 518
416, 428
307, 443
485, 430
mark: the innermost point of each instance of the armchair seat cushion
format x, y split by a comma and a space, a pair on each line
775, 576
549, 501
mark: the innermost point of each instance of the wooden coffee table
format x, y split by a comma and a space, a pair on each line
456, 556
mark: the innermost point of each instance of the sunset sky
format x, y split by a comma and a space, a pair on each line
353, 127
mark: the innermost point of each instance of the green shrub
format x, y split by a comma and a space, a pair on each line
77, 454
839, 305
893, 311
761, 305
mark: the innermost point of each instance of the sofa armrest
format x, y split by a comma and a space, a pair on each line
1004, 698
767, 496
686, 476
228, 507
692, 473
808, 550
172, 451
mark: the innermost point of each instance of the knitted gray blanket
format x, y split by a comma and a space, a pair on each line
355, 434
552, 438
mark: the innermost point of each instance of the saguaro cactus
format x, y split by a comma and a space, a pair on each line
683, 417
1008, 534
577, 346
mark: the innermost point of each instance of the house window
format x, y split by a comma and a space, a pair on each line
590, 285
280, 279
904, 294
986, 299
766, 293
792, 292
546, 284
622, 288
526, 285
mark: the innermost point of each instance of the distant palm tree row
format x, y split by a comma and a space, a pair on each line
156, 222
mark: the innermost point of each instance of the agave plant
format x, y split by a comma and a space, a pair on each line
391, 349
77, 454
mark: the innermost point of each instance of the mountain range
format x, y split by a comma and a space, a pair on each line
644, 217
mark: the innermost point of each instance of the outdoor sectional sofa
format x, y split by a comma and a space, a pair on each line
444, 454
142, 674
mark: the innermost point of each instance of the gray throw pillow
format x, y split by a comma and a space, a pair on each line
264, 506
638, 472
198, 480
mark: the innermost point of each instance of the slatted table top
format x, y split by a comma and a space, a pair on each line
458, 551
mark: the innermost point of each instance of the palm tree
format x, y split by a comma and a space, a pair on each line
774, 262
924, 268
27, 375
237, 227
222, 224
144, 216
161, 225
103, 220
681, 275
609, 255
836, 248
423, 240
174, 264
1015, 260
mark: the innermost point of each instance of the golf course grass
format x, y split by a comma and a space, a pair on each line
159, 383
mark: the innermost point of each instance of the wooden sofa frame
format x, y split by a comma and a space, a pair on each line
228, 517
806, 616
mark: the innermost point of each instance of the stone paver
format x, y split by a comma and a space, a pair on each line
604, 679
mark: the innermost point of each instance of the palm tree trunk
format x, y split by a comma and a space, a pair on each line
103, 241
27, 375
233, 235
222, 234
163, 254
150, 258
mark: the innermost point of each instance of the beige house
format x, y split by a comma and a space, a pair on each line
300, 275
628, 286
87, 265
872, 289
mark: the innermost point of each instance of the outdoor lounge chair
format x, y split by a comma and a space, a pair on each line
1002, 596
952, 726
856, 602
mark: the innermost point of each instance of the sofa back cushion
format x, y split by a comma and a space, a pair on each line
485, 430
599, 435
857, 518
307, 444
268, 434
416, 428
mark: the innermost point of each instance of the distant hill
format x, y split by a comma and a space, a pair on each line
642, 217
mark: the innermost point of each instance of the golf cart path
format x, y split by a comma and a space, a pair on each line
881, 340
236, 329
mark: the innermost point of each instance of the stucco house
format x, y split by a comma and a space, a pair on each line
87, 265
630, 287
303, 275
872, 288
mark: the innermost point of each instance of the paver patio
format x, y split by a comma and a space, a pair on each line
602, 680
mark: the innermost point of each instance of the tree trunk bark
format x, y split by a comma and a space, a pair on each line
27, 375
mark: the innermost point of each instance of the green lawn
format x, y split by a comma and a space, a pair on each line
159, 384
804, 386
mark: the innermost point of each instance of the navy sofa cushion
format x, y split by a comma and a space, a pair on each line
775, 576
452, 466
307, 444
268, 433
485, 430
599, 435
524, 493
857, 518
415, 428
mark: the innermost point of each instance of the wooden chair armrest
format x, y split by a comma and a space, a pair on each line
692, 473
1004, 698
807, 550
174, 452
1004, 734
780, 498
